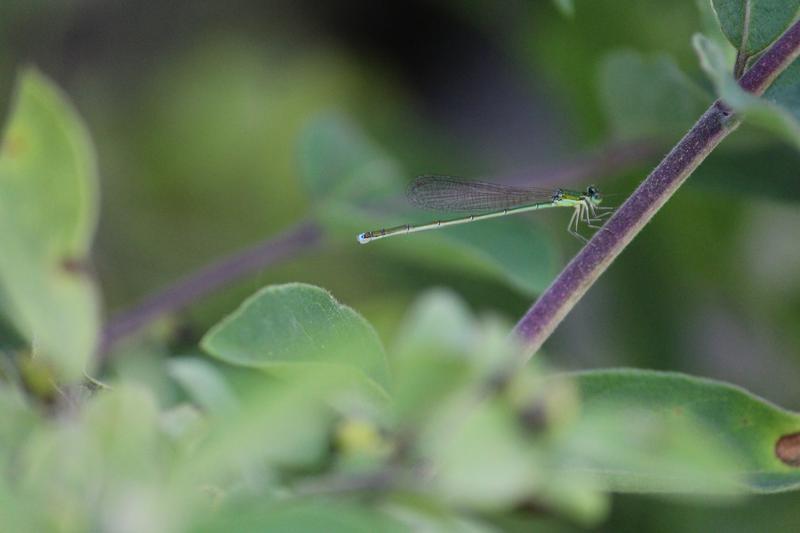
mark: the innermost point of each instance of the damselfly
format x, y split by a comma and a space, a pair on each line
490, 200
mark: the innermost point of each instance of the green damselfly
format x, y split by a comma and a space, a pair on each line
489, 200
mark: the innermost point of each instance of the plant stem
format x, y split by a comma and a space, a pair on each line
198, 284
536, 326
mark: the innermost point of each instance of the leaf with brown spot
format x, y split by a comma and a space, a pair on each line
48, 214
765, 449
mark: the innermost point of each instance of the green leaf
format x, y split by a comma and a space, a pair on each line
287, 517
468, 475
648, 97
709, 23
206, 386
420, 513
443, 357
566, 7
289, 327
184, 425
715, 63
123, 423
355, 185
518, 468
18, 420
281, 423
440, 350
104, 461
723, 432
751, 25
785, 90
741, 169
48, 214
767, 112
339, 162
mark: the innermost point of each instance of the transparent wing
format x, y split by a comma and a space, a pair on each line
448, 193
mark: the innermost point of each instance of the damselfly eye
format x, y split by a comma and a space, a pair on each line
592, 191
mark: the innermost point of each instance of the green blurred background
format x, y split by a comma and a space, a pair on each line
202, 112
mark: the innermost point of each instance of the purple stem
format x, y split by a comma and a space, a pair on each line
198, 284
715, 124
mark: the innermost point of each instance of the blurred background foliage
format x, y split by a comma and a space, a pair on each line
219, 124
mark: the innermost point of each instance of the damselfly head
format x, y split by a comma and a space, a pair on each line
593, 194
